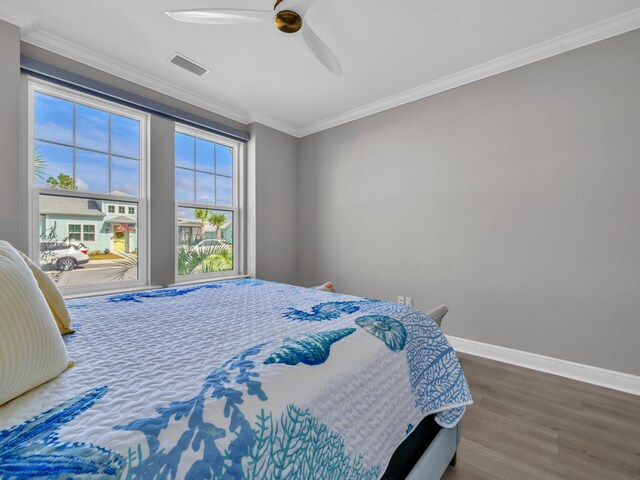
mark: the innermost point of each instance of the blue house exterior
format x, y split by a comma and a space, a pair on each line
98, 224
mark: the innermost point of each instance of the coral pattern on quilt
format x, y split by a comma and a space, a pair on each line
240, 379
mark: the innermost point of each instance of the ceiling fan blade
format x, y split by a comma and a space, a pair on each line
320, 50
221, 16
301, 7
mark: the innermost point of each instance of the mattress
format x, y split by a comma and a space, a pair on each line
237, 379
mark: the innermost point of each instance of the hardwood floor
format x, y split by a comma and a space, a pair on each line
530, 425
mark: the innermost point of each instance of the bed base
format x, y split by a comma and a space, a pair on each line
440, 454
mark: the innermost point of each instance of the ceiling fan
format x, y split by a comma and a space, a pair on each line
287, 21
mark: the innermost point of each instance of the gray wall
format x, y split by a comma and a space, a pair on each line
162, 205
10, 197
515, 200
272, 204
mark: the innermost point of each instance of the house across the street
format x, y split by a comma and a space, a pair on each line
98, 224
189, 231
102, 225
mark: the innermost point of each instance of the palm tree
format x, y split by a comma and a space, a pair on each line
217, 220
216, 258
202, 216
39, 166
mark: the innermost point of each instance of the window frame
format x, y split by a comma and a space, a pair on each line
236, 209
141, 201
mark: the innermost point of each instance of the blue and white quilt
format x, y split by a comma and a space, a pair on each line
239, 379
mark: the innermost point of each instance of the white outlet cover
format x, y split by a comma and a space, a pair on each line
408, 301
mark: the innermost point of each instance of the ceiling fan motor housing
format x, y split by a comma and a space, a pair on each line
288, 21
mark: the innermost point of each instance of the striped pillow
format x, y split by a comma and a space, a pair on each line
31, 349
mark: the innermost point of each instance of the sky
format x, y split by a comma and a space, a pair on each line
203, 171
107, 156
107, 146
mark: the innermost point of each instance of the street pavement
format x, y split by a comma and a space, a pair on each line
95, 271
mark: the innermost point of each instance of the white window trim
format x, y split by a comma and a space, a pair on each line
33, 210
237, 208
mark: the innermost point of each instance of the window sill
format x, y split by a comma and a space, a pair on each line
152, 287
111, 292
207, 280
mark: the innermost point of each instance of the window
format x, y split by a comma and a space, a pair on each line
88, 233
75, 232
206, 168
88, 162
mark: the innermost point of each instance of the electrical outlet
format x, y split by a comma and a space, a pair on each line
401, 300
408, 301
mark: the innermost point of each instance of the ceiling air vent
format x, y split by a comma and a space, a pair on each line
189, 65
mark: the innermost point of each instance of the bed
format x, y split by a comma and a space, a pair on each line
241, 379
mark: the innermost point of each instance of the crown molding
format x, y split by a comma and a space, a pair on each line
584, 36
602, 377
275, 124
26, 23
80, 54
578, 38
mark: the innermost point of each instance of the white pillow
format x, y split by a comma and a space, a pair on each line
31, 349
325, 287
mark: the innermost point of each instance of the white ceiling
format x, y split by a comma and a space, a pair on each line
391, 52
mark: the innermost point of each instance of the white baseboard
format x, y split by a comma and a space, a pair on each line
623, 382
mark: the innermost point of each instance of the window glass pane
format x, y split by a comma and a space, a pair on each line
224, 191
224, 160
92, 171
92, 128
132, 210
53, 119
82, 244
205, 155
125, 136
121, 209
205, 241
111, 209
205, 188
185, 191
125, 176
76, 237
185, 150
53, 166
88, 233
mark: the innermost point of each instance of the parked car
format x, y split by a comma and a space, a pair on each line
211, 242
63, 256
207, 243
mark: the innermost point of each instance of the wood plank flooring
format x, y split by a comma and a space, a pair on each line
531, 425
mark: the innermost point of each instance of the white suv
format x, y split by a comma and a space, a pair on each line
63, 256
